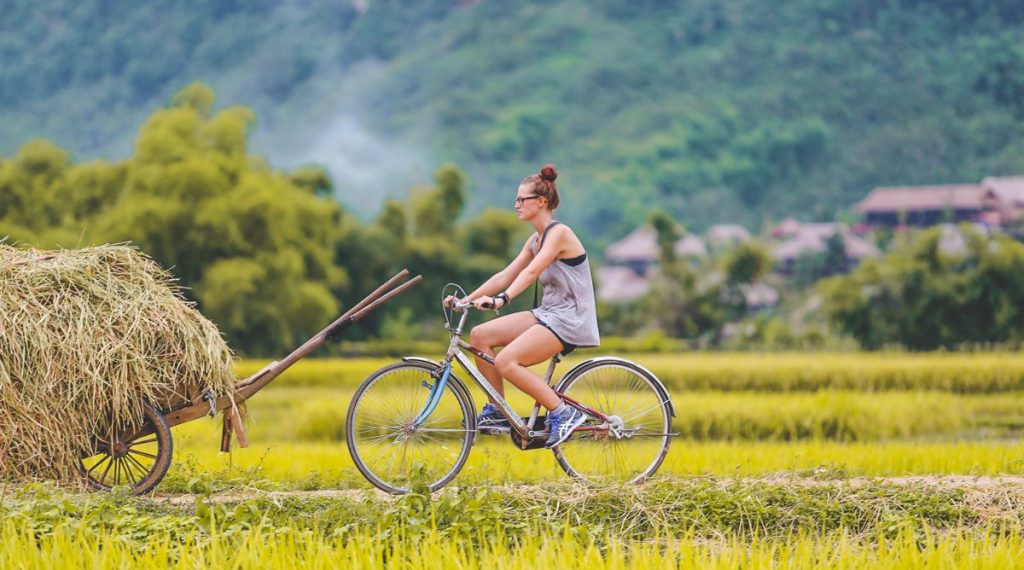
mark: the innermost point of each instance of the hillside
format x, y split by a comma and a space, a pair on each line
716, 110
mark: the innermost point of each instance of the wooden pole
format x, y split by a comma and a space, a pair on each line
245, 389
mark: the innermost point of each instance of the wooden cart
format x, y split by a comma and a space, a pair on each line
139, 457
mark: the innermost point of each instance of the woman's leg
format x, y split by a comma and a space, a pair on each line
535, 345
495, 333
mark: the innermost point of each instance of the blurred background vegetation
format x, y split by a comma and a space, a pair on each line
294, 154
713, 110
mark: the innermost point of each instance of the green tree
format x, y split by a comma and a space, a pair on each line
747, 263
923, 298
254, 247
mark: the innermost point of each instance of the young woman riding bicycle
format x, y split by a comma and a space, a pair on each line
566, 318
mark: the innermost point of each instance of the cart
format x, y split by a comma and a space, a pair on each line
139, 457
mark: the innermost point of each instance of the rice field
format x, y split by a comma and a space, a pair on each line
782, 460
268, 548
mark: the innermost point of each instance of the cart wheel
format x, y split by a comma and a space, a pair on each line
139, 459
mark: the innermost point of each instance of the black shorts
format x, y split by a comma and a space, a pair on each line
567, 347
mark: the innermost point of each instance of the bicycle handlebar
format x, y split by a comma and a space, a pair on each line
469, 305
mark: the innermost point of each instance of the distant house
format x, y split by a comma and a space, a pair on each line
924, 205
996, 201
786, 228
639, 249
759, 296
1008, 193
620, 284
813, 238
633, 262
726, 234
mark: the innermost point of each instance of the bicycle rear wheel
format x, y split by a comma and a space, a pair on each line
388, 448
631, 447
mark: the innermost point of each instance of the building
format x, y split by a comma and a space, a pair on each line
1008, 195
724, 235
810, 239
633, 264
995, 201
639, 250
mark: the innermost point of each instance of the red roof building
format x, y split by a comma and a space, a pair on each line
994, 201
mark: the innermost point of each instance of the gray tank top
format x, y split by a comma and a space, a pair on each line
568, 307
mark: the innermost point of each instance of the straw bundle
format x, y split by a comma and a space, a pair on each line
86, 338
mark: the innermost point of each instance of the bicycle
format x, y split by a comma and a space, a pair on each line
414, 421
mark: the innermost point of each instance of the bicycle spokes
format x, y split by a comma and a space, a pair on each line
404, 429
629, 443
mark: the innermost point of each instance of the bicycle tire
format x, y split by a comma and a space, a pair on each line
387, 451
621, 389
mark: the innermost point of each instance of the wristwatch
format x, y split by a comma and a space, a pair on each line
504, 298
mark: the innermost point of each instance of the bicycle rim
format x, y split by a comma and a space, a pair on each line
386, 448
620, 391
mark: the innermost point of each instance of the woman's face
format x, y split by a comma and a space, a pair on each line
529, 204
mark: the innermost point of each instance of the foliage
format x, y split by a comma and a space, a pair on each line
925, 298
268, 255
714, 111
810, 267
254, 247
692, 299
674, 508
747, 263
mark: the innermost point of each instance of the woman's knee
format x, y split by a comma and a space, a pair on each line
505, 362
480, 338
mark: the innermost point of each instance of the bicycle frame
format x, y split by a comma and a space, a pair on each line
524, 428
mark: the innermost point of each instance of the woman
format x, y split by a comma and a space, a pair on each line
566, 319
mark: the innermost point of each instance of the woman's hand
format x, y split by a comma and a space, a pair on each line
451, 300
485, 303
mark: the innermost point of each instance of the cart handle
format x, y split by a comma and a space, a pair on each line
245, 389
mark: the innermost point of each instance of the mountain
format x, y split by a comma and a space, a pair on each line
713, 110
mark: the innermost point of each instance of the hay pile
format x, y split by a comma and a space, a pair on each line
86, 337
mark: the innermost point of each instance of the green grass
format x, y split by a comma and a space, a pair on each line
689, 523
286, 548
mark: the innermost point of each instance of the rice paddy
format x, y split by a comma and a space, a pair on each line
783, 460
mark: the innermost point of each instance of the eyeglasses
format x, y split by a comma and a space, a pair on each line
520, 200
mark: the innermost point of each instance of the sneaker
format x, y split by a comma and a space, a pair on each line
491, 420
562, 426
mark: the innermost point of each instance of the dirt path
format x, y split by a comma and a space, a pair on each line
1011, 484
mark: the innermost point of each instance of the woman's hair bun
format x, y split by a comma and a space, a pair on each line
549, 173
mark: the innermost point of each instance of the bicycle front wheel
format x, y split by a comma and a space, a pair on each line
632, 445
389, 448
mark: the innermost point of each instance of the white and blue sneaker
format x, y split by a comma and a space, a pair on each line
491, 421
562, 425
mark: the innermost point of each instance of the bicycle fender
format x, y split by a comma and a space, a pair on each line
421, 360
582, 366
454, 381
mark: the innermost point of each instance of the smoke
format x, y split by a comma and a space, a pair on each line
365, 166
328, 125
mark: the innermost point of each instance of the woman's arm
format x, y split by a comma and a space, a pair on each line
502, 279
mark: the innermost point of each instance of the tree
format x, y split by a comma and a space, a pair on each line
254, 247
922, 298
746, 263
